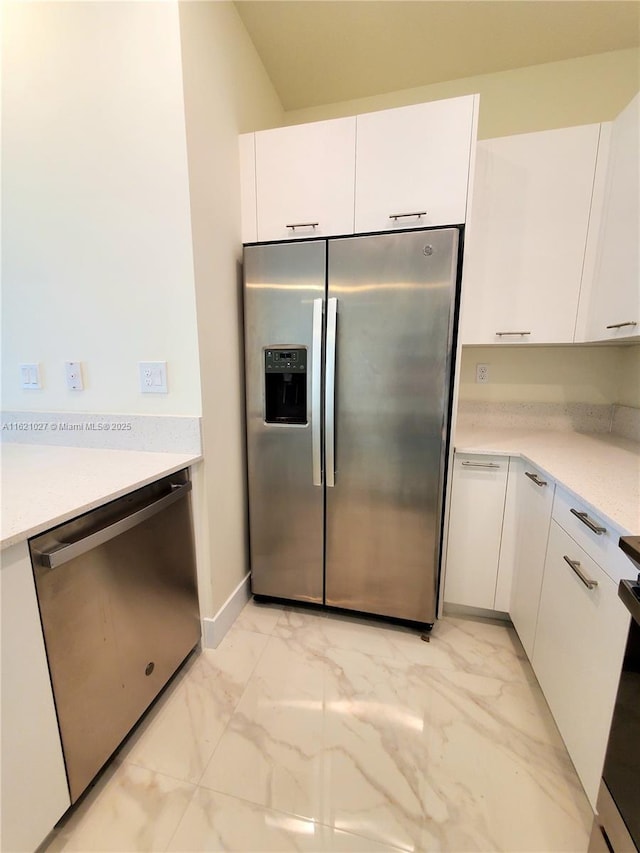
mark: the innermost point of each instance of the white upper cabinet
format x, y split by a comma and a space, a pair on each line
413, 163
305, 180
614, 306
526, 244
248, 187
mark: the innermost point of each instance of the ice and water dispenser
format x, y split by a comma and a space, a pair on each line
285, 380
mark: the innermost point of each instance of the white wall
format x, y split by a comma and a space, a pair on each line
97, 256
227, 91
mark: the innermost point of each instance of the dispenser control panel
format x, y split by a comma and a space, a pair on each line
285, 360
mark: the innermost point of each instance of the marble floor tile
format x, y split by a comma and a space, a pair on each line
414, 756
313, 731
468, 645
260, 617
216, 822
182, 735
129, 809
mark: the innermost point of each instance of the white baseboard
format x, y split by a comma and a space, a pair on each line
213, 630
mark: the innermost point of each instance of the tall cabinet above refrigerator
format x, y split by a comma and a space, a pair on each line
349, 357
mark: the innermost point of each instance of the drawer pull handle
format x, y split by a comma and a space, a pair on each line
397, 216
501, 334
575, 565
480, 464
302, 225
620, 325
536, 479
584, 518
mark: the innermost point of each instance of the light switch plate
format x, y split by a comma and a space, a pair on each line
153, 377
30, 376
73, 371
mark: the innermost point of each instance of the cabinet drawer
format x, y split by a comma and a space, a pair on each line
601, 544
578, 652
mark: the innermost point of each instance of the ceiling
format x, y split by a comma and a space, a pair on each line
325, 51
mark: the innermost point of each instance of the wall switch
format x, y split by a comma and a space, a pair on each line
73, 371
482, 373
153, 377
30, 376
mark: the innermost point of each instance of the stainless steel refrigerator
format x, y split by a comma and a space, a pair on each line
348, 354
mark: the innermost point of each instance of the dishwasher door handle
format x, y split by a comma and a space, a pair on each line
58, 556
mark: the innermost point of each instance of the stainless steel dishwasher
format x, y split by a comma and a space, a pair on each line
119, 609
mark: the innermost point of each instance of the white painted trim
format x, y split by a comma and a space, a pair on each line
213, 630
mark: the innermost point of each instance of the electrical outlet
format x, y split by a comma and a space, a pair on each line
153, 377
73, 372
30, 376
482, 373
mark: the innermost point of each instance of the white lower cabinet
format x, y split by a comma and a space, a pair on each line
34, 783
579, 645
475, 529
534, 497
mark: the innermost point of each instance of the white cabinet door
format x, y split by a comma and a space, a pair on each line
414, 160
614, 310
305, 180
525, 250
34, 784
578, 652
535, 501
249, 224
475, 529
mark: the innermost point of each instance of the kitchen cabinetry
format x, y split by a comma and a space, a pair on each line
34, 784
579, 645
614, 305
524, 255
304, 180
534, 498
403, 168
475, 529
412, 165
248, 200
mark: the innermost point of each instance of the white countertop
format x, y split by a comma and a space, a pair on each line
601, 469
43, 486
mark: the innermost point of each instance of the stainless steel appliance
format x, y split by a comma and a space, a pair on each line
348, 375
119, 609
617, 824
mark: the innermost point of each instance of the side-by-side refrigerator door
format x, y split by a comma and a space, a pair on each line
284, 288
390, 310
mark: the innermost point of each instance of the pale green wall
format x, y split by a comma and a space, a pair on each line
569, 374
539, 97
558, 94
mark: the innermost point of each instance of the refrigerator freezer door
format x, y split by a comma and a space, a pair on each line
282, 285
396, 296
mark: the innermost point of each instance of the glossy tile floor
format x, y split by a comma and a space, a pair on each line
316, 732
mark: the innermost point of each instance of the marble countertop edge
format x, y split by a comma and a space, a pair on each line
580, 463
33, 502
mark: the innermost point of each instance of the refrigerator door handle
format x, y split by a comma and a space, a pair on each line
316, 392
330, 391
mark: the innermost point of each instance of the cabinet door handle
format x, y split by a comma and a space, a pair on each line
480, 464
295, 225
584, 518
575, 565
620, 325
536, 479
417, 213
502, 334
